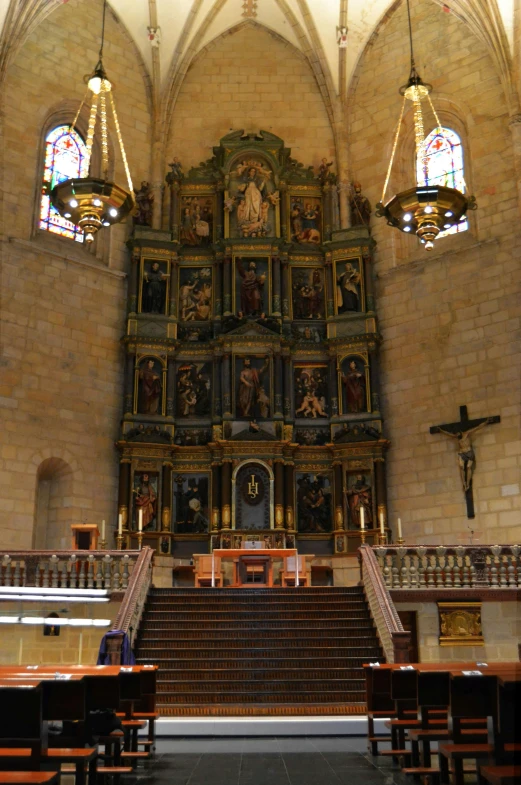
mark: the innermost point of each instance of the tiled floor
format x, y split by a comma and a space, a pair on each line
267, 761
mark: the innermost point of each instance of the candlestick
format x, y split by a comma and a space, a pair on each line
103, 530
362, 518
140, 539
119, 541
140, 521
102, 545
120, 524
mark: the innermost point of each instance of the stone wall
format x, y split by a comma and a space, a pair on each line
250, 79
449, 320
501, 625
25, 644
62, 307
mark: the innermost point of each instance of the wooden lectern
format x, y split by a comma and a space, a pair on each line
84, 536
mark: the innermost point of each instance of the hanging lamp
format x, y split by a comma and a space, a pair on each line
424, 210
91, 202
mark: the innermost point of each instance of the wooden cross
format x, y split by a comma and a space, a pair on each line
462, 431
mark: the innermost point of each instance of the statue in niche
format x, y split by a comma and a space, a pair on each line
355, 387
150, 387
176, 169
359, 496
253, 199
144, 205
305, 220
310, 391
195, 294
308, 293
252, 286
252, 397
314, 503
348, 289
154, 289
145, 499
360, 206
196, 220
191, 503
193, 390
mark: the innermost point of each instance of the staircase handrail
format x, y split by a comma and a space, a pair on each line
394, 639
133, 604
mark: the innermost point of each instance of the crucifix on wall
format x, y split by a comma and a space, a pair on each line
462, 431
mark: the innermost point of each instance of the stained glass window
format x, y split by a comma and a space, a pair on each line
65, 157
444, 153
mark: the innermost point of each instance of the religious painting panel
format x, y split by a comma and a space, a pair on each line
195, 293
252, 496
305, 218
192, 437
149, 386
252, 286
253, 387
316, 437
357, 431
197, 219
360, 499
252, 200
354, 392
308, 293
154, 285
349, 282
145, 500
314, 502
193, 389
311, 390
191, 494
309, 333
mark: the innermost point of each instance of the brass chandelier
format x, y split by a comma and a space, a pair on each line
425, 210
91, 202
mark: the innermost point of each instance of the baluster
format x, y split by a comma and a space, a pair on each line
82, 573
116, 578
440, 563
107, 570
431, 561
458, 561
503, 563
421, 551
99, 574
404, 572
380, 553
395, 570
124, 582
7, 570
45, 577
64, 575
387, 570
413, 571
472, 570
73, 577
17, 571
449, 570
90, 572
496, 550
54, 571
514, 550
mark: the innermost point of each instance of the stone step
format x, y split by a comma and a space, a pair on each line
285, 643
223, 675
245, 697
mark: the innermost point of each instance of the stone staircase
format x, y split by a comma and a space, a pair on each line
258, 651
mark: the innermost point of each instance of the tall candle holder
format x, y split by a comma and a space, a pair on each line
400, 541
102, 544
140, 540
382, 537
362, 536
119, 541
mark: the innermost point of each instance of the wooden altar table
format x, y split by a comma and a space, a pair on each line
256, 556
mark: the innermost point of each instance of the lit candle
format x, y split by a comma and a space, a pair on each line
120, 524
382, 525
102, 530
362, 518
140, 521
399, 529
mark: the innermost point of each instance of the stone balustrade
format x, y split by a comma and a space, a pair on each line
110, 570
450, 567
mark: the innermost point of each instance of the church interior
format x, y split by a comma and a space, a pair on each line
260, 391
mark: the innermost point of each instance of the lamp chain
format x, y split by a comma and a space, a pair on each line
395, 143
120, 140
92, 126
419, 134
104, 135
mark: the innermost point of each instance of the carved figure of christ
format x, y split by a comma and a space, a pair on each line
462, 431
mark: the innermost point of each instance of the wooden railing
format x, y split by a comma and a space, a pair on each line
450, 566
132, 607
394, 639
110, 570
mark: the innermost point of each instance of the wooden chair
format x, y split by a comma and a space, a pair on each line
499, 775
288, 573
203, 574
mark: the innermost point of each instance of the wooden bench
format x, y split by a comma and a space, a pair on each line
29, 777
499, 775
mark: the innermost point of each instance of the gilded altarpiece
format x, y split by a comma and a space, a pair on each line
251, 392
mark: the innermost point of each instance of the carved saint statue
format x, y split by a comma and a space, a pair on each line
144, 205
360, 207
358, 497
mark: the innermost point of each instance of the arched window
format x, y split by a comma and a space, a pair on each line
444, 160
65, 157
